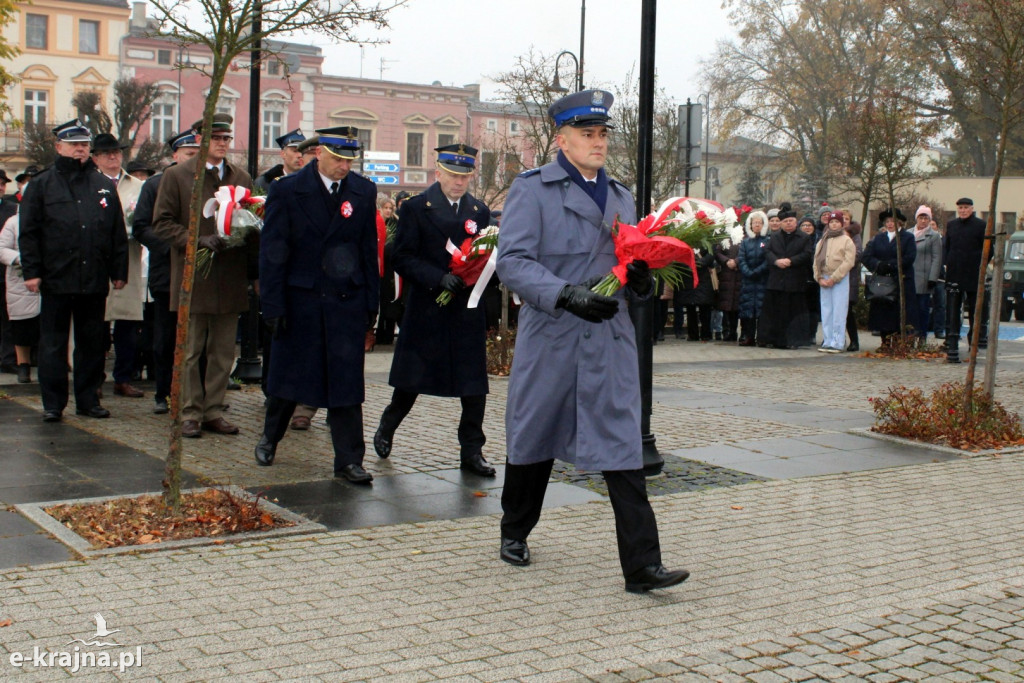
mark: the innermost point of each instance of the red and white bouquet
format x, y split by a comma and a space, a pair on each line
238, 213
666, 241
474, 261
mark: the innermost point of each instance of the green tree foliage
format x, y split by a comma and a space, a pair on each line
749, 189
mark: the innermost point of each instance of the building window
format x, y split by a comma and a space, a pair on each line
273, 127
492, 125
488, 167
88, 37
445, 139
164, 117
414, 149
163, 57
513, 167
513, 127
273, 67
365, 137
35, 106
36, 31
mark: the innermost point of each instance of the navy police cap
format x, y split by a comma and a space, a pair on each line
457, 158
291, 139
341, 141
73, 131
584, 108
186, 138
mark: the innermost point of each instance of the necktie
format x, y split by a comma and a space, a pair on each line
215, 170
335, 194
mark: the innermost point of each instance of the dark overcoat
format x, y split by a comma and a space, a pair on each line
226, 288
754, 270
729, 279
72, 230
961, 251
884, 316
142, 231
441, 350
318, 271
574, 393
704, 293
799, 249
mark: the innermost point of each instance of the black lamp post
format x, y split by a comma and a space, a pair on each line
249, 367
556, 83
642, 312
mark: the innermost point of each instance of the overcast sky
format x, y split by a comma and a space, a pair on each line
464, 41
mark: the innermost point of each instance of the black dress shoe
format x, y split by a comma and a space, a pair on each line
476, 464
515, 552
355, 474
51, 416
161, 408
381, 443
265, 451
95, 411
654, 576
854, 346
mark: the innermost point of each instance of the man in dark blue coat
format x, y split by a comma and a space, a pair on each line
73, 248
961, 255
442, 349
320, 289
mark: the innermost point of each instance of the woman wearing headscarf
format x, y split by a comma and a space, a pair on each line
834, 258
881, 258
753, 267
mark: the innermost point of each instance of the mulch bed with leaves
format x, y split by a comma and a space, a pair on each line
146, 519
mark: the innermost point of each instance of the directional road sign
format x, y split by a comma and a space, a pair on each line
384, 179
380, 168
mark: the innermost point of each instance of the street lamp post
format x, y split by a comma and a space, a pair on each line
556, 83
583, 23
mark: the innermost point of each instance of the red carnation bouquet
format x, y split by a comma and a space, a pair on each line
238, 212
470, 260
666, 240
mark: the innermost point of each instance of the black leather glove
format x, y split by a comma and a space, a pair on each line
638, 278
214, 243
371, 320
452, 283
277, 326
885, 269
583, 303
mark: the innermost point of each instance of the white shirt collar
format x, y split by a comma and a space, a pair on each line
327, 181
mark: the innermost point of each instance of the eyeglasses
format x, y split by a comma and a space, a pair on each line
222, 138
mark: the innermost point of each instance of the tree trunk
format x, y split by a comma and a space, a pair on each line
172, 470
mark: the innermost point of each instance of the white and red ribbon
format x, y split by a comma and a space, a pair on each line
485, 276
224, 202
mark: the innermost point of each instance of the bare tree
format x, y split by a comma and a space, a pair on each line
133, 101
39, 146
228, 29
88, 105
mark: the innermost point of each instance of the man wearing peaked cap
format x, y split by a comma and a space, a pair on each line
184, 146
574, 393
73, 276
217, 298
319, 296
308, 148
291, 160
442, 349
961, 254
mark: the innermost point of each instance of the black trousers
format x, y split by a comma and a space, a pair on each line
851, 325
636, 529
56, 314
346, 423
471, 423
970, 299
165, 331
698, 322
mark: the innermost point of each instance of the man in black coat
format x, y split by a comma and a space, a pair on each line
73, 245
961, 255
320, 288
442, 349
184, 146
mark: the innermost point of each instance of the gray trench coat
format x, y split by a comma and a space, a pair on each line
574, 393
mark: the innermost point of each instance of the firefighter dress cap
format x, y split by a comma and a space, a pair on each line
341, 141
73, 131
291, 139
458, 158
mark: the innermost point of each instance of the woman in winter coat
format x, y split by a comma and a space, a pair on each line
753, 269
854, 230
834, 258
698, 301
927, 268
22, 305
730, 281
881, 259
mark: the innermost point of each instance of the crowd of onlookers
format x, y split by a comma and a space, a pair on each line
786, 276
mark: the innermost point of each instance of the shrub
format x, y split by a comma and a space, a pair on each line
940, 418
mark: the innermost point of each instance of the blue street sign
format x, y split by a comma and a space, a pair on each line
377, 167
384, 179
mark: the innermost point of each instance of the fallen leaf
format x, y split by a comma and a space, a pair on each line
266, 518
6, 622
480, 494
218, 542
416, 552
737, 507
147, 538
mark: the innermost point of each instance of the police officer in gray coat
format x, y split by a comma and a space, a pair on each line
574, 393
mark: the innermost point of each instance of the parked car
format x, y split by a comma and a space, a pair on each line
1013, 278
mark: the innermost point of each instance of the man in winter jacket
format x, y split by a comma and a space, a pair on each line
73, 246
965, 237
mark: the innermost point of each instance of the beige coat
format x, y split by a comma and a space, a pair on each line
225, 289
126, 303
839, 258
